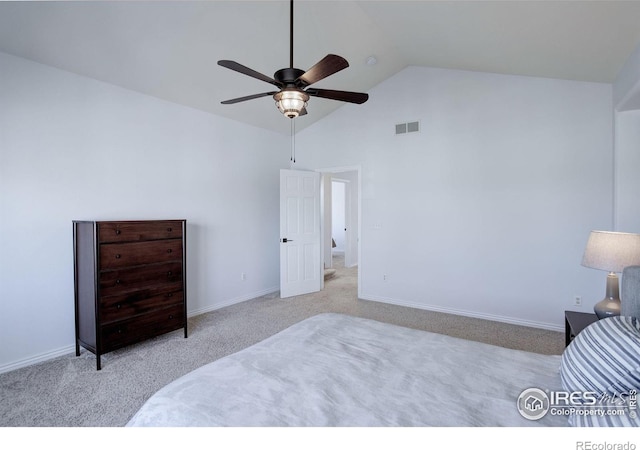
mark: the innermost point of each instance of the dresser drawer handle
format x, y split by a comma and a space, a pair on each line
169, 295
170, 316
169, 250
117, 281
118, 306
169, 273
169, 229
118, 232
117, 255
119, 331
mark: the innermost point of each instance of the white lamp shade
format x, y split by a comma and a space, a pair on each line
612, 251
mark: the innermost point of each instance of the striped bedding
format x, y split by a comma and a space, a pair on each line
604, 359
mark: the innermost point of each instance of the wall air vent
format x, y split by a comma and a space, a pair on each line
409, 127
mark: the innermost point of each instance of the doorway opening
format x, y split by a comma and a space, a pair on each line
339, 215
340, 219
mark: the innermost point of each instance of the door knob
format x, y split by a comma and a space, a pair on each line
286, 240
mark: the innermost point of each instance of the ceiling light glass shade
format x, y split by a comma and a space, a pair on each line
291, 102
612, 251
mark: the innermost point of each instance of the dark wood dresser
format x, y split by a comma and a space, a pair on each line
129, 282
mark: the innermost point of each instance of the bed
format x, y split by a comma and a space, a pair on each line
334, 370
338, 370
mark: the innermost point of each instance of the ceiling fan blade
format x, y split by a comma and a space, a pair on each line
343, 96
246, 71
328, 65
248, 97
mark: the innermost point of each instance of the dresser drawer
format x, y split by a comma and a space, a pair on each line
138, 231
125, 281
137, 253
119, 307
145, 326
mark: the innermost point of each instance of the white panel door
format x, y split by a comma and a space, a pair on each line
300, 271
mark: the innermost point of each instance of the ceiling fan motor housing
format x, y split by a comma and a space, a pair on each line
288, 76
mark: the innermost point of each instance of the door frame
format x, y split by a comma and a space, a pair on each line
336, 171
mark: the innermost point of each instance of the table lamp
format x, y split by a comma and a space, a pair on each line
611, 251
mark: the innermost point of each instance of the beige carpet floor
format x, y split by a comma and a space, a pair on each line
68, 392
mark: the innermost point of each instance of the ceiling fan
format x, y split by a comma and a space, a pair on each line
293, 84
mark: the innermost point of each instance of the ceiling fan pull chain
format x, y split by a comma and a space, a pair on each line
293, 142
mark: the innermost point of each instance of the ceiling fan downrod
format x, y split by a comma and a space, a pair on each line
291, 34
291, 100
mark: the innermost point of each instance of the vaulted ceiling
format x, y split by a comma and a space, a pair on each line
170, 49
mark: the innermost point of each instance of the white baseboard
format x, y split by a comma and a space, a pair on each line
42, 357
462, 312
241, 299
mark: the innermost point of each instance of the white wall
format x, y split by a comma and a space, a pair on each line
626, 88
628, 171
75, 148
627, 141
486, 211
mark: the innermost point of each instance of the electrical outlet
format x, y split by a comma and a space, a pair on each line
577, 301
243, 276
384, 277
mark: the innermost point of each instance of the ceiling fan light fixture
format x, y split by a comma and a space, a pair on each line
291, 102
292, 98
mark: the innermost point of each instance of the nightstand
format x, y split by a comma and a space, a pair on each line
575, 322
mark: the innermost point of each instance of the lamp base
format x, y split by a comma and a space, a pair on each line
607, 307
610, 305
